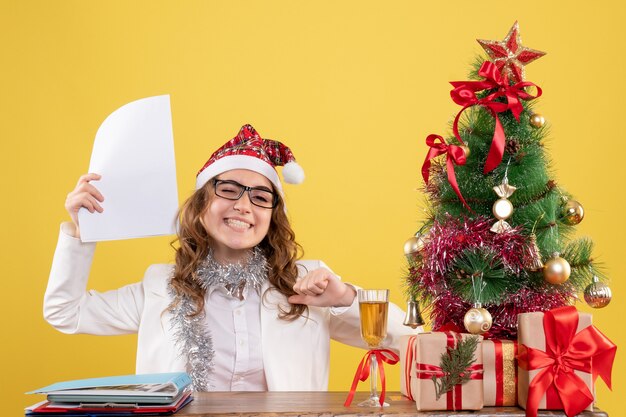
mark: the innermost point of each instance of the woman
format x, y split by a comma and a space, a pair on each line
237, 311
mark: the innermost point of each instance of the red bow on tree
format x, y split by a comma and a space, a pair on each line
464, 94
588, 351
455, 155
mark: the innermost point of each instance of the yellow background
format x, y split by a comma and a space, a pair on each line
353, 87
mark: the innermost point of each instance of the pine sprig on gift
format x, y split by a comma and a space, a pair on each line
454, 363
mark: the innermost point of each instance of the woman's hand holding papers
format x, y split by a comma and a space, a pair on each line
84, 195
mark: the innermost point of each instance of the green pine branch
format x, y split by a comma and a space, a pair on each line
486, 265
454, 364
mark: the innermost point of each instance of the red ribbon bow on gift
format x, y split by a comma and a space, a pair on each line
363, 371
588, 351
454, 155
464, 94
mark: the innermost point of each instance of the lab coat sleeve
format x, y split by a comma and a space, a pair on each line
70, 308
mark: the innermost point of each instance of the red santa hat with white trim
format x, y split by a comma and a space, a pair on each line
248, 150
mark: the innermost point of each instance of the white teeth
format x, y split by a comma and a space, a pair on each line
238, 224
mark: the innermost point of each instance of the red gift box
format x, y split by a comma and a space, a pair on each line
420, 356
499, 372
560, 356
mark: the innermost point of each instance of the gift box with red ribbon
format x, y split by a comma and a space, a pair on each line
499, 372
407, 351
420, 356
560, 356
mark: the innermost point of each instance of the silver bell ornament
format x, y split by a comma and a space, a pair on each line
413, 318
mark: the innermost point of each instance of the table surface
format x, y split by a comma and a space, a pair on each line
328, 404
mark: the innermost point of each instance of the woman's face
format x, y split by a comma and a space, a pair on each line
236, 226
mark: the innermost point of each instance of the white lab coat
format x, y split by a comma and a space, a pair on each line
295, 353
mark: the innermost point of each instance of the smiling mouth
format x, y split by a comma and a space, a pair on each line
238, 224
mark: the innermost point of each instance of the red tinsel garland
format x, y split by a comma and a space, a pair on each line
446, 240
448, 310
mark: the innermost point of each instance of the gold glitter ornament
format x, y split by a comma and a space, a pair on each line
572, 213
535, 253
466, 150
413, 244
477, 320
537, 120
557, 270
598, 294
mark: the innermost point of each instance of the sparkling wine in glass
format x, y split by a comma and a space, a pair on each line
373, 306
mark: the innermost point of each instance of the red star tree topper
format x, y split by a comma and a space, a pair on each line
509, 55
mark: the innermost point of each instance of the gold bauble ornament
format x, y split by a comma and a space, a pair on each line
413, 244
597, 294
477, 320
466, 150
537, 120
556, 270
573, 213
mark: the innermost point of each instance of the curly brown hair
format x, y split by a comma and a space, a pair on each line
279, 247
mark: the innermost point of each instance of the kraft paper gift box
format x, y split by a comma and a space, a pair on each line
407, 351
499, 372
560, 354
420, 357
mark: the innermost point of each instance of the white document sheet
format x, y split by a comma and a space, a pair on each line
134, 153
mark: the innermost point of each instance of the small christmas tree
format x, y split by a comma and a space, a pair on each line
497, 241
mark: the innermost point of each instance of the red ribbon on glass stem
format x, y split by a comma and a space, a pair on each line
454, 155
588, 351
464, 94
363, 371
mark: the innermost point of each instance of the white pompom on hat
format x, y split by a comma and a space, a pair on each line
248, 150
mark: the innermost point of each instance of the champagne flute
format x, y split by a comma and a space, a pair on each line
373, 306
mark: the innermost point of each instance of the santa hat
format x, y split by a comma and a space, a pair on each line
248, 150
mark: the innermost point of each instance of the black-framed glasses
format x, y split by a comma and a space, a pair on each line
232, 190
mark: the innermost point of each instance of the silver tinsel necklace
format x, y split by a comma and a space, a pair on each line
193, 339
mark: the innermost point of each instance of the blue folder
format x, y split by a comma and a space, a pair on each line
160, 388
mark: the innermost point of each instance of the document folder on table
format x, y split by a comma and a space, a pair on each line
46, 408
163, 388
